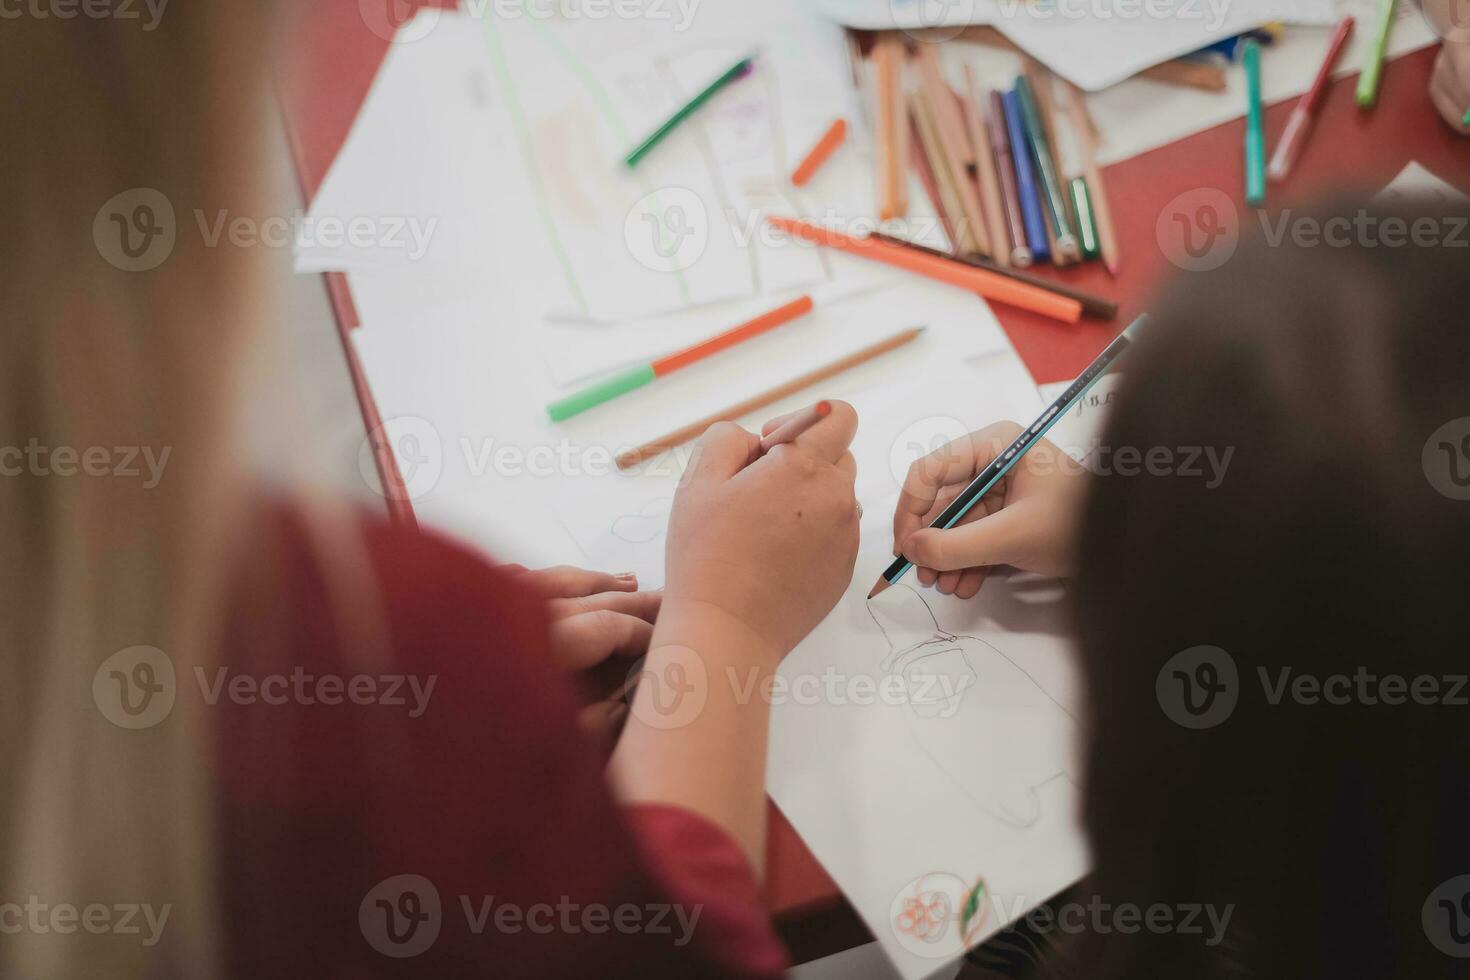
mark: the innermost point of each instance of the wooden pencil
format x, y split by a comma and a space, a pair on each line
920, 163
954, 144
942, 168
985, 174
1188, 73
1102, 213
757, 402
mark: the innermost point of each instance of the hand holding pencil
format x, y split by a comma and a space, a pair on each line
762, 546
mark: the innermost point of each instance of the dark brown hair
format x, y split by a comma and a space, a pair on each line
1326, 549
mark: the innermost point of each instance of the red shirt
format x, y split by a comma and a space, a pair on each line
420, 802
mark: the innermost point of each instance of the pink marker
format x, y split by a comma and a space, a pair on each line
1299, 124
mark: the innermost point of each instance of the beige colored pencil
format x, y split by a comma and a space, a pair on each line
1102, 212
985, 173
738, 411
954, 145
1189, 74
947, 113
949, 203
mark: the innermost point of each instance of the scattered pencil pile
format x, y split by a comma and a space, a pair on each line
990, 161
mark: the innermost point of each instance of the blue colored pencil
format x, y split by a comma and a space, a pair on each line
1026, 188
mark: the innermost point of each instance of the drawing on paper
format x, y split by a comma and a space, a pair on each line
646, 524
937, 915
974, 711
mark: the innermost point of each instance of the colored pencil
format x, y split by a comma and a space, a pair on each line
949, 203
1038, 81
1046, 169
946, 111
788, 431
892, 131
1373, 66
636, 377
739, 70
1005, 173
988, 284
985, 175
1086, 225
954, 144
819, 154
1099, 307
1189, 74
757, 402
1299, 124
1255, 137
1097, 191
1026, 192
1005, 461
920, 162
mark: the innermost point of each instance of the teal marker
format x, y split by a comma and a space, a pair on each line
1255, 137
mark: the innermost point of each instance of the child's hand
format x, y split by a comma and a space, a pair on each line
1027, 520
1449, 86
770, 543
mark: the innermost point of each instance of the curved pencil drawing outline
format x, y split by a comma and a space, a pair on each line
943, 641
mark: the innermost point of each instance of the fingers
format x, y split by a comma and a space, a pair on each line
602, 721
997, 539
828, 439
565, 581
773, 424
1449, 93
970, 581
644, 605
723, 450
953, 463
585, 640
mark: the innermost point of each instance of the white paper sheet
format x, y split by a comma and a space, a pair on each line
1094, 43
1417, 182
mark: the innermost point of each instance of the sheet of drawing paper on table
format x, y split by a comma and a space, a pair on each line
1414, 181
925, 747
488, 125
479, 392
1094, 45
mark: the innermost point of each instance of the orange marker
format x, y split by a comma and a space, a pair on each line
988, 284
825, 147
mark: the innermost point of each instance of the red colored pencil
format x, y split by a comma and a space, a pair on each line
1299, 124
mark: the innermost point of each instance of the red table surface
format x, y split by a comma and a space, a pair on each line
334, 55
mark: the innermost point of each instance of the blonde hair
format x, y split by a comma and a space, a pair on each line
108, 359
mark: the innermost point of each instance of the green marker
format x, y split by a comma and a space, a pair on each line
740, 70
1255, 137
1051, 184
1373, 67
1086, 222
636, 377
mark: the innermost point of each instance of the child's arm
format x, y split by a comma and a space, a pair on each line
758, 554
1027, 520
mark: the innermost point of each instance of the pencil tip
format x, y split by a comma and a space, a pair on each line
881, 584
